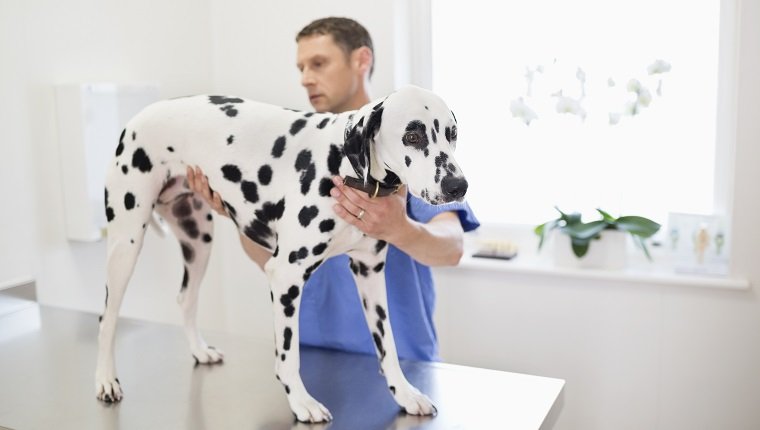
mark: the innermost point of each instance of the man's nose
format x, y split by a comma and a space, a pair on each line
307, 78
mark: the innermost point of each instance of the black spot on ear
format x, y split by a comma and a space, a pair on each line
206, 237
230, 139
170, 149
141, 161
323, 123
378, 267
279, 147
325, 185
327, 225
288, 335
232, 173
297, 126
124, 169
319, 248
265, 174
187, 251
250, 191
407, 160
129, 201
307, 214
190, 227
334, 159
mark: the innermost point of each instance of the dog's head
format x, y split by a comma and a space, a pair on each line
408, 138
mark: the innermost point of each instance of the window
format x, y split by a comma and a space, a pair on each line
582, 104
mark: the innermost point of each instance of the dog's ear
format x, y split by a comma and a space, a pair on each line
358, 141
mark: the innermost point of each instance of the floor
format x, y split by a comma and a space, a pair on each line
48, 359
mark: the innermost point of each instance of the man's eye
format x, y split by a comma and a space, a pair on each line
411, 138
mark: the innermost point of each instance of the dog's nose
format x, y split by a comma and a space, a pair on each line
454, 187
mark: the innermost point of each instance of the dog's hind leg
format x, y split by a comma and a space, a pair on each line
127, 216
368, 267
192, 223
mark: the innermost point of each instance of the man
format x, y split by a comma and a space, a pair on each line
336, 60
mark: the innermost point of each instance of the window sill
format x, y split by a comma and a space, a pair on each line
536, 267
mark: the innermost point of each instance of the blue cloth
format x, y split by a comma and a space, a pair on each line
331, 313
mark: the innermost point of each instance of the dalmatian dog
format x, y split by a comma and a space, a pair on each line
273, 166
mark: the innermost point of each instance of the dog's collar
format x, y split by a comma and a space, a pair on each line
372, 187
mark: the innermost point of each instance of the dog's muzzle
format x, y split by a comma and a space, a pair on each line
453, 188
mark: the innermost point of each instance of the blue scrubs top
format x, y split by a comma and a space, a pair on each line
331, 313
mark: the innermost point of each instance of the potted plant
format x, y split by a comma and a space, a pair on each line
581, 234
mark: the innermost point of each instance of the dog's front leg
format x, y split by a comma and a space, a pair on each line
287, 280
368, 267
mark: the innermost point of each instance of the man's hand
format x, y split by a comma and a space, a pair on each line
199, 184
381, 217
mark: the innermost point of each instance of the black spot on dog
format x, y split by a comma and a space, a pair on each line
319, 248
184, 279
197, 204
415, 135
327, 225
209, 217
434, 136
308, 170
170, 149
379, 345
379, 246
271, 211
109, 214
378, 267
380, 328
279, 147
359, 268
232, 173
393, 389
407, 160
141, 161
190, 227
303, 160
307, 214
297, 126
364, 303
206, 237
436, 124
309, 270
250, 191
334, 159
298, 255
426, 152
124, 169
380, 312
287, 300
377, 106
229, 110
287, 335
230, 139
134, 135
259, 232
187, 251
129, 201
221, 100
323, 123
325, 185
120, 148
283, 356
447, 132
182, 209
308, 114
230, 209
265, 174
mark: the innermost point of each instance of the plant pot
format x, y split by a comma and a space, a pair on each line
607, 252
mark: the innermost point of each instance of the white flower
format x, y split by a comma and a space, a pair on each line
634, 86
521, 110
614, 118
571, 106
645, 97
659, 66
610, 82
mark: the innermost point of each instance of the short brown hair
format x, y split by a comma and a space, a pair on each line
347, 34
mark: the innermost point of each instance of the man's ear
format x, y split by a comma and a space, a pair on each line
364, 59
358, 141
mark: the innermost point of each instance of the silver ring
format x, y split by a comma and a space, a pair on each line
361, 214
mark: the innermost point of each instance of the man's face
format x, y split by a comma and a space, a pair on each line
331, 78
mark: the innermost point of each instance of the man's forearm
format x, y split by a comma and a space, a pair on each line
438, 243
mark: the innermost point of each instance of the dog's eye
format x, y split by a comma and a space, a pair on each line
411, 138
454, 133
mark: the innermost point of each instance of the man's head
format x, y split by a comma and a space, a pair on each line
336, 59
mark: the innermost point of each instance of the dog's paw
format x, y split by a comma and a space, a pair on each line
308, 410
208, 355
413, 401
108, 390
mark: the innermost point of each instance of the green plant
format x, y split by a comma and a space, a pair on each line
581, 234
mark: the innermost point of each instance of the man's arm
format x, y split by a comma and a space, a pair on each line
439, 242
